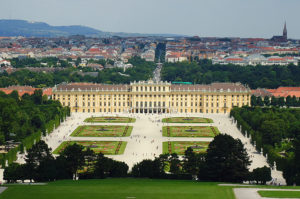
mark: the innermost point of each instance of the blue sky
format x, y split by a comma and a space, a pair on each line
223, 18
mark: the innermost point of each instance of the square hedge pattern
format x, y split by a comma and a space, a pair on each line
110, 120
187, 120
105, 147
190, 131
180, 147
102, 131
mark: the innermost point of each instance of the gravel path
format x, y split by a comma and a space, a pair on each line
252, 193
2, 189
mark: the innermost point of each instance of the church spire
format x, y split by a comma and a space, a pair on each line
285, 31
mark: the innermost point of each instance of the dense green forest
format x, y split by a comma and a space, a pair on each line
24, 119
203, 72
141, 70
277, 132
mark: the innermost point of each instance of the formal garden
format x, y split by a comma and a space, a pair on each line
110, 120
105, 147
102, 131
190, 131
179, 147
187, 120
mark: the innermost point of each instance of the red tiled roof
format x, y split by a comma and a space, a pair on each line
285, 91
25, 89
234, 59
47, 91
276, 59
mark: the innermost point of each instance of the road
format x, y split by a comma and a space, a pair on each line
156, 73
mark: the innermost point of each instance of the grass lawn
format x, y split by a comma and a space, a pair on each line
180, 147
187, 120
280, 194
120, 189
110, 120
105, 147
190, 131
102, 131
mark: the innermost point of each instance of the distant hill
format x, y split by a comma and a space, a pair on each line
40, 29
12, 27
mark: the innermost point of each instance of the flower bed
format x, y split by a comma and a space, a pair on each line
190, 131
105, 147
102, 131
180, 147
187, 120
110, 120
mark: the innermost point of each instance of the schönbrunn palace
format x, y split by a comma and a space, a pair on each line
152, 97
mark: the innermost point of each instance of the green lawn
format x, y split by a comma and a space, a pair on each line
180, 147
110, 120
190, 131
105, 147
102, 131
280, 194
120, 188
187, 120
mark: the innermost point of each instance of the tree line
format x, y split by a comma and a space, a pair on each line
275, 132
32, 62
225, 155
204, 72
24, 119
275, 101
141, 70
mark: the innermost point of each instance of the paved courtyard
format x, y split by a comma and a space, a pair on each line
146, 138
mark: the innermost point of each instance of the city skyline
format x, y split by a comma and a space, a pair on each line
216, 18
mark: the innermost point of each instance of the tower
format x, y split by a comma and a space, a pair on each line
284, 32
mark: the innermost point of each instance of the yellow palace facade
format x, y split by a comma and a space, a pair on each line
152, 97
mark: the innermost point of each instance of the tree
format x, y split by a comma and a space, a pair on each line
39, 153
15, 95
38, 96
192, 162
12, 173
267, 101
259, 101
147, 168
102, 166
261, 175
272, 131
90, 157
74, 158
107, 167
119, 169
78, 61
274, 101
227, 160
281, 101
253, 100
174, 163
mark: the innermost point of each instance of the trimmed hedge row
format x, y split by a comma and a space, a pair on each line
256, 139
